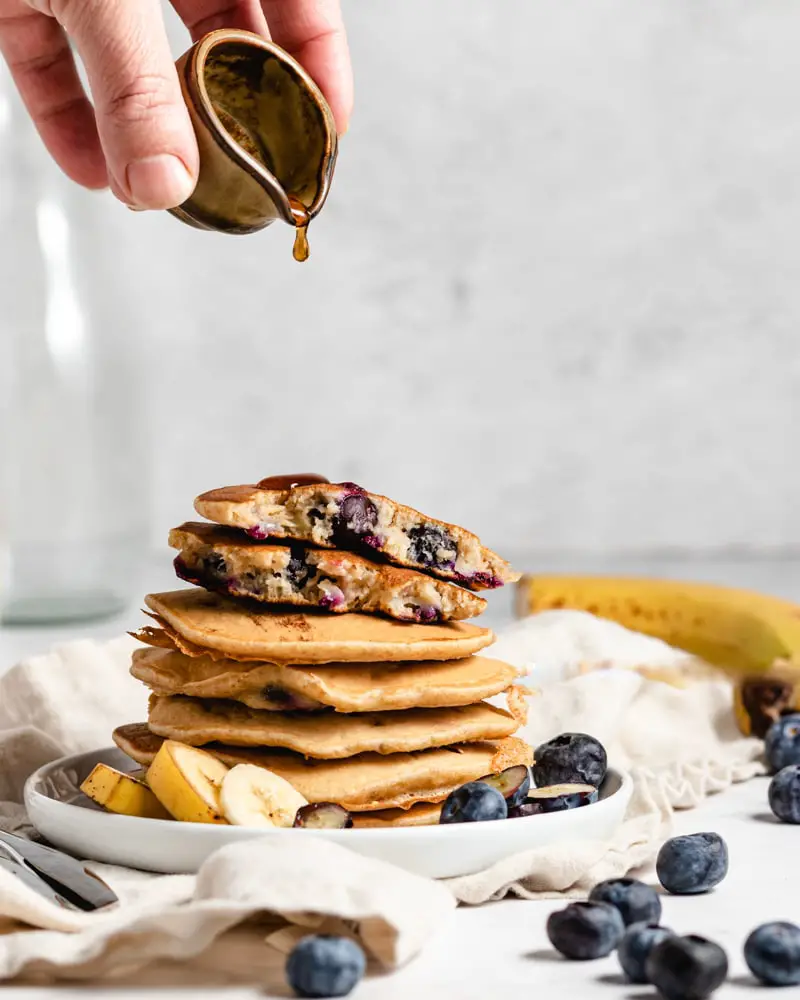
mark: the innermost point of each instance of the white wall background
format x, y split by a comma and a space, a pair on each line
554, 294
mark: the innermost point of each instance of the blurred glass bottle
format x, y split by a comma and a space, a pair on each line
73, 524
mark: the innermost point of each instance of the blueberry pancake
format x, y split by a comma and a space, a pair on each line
325, 735
199, 622
346, 687
224, 560
344, 516
365, 783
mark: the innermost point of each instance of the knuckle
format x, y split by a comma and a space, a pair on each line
140, 99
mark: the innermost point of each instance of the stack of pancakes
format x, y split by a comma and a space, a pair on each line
367, 692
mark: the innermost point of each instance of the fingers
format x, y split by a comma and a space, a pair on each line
38, 54
313, 32
202, 16
140, 126
142, 120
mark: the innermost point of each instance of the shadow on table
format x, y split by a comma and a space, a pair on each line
544, 955
746, 982
764, 817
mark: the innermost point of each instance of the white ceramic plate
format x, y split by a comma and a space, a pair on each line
62, 814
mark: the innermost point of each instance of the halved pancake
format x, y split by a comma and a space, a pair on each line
325, 735
365, 783
347, 687
227, 561
344, 516
239, 631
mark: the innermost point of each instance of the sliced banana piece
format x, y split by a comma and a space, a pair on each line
122, 793
187, 782
254, 796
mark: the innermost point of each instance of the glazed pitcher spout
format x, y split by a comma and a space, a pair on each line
266, 136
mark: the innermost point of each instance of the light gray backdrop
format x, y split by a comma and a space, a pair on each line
553, 296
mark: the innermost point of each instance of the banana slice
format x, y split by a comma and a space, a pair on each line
187, 782
254, 796
122, 793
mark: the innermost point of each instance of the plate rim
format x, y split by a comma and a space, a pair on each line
31, 793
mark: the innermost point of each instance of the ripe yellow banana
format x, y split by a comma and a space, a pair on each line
740, 631
753, 637
187, 782
122, 793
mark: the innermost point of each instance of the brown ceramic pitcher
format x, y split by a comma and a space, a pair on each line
266, 135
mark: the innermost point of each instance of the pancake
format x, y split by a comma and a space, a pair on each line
420, 814
344, 516
365, 783
239, 630
325, 735
346, 687
227, 561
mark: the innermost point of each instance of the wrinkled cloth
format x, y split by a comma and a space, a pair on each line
678, 744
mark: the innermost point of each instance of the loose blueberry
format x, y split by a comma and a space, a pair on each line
473, 803
513, 783
430, 545
784, 794
570, 758
635, 947
772, 953
487, 580
782, 742
554, 798
585, 930
323, 965
692, 864
323, 816
637, 903
686, 968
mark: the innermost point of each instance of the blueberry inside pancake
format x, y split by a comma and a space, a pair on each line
345, 516
224, 560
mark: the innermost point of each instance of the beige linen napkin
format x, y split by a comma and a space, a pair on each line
679, 744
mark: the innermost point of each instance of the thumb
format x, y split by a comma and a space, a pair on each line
142, 120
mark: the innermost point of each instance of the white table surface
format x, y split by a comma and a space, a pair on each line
501, 949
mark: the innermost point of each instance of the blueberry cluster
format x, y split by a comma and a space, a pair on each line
624, 914
621, 914
782, 750
567, 773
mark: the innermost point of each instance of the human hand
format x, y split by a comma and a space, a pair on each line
138, 137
